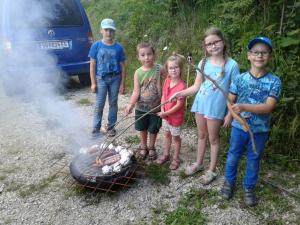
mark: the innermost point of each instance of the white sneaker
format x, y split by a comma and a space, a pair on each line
209, 177
194, 168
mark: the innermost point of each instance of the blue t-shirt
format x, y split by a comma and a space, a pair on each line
210, 101
251, 90
108, 57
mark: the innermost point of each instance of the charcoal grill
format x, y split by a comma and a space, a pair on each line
92, 175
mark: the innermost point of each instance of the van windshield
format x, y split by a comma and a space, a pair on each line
45, 13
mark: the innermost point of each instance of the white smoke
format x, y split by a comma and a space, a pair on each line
30, 74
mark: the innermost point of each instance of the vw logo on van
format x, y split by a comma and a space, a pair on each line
51, 33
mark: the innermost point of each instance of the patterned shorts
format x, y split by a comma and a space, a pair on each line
175, 131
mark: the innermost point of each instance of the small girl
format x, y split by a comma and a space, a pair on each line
210, 104
146, 95
172, 113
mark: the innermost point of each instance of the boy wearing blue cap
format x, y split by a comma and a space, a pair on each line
107, 71
255, 93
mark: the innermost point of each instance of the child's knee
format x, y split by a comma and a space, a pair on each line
232, 160
177, 139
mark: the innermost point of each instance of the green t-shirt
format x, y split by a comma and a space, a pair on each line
150, 89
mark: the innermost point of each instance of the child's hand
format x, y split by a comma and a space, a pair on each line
227, 121
237, 108
94, 88
173, 97
128, 110
122, 90
162, 115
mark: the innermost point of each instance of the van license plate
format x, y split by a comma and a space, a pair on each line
45, 45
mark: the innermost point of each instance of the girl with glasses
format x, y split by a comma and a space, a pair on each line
210, 104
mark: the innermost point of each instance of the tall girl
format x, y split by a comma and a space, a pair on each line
210, 104
146, 96
172, 113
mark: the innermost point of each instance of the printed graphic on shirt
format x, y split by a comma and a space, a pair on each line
107, 60
150, 93
251, 90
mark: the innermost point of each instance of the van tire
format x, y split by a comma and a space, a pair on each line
84, 79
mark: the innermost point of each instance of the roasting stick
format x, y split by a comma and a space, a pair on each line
102, 150
241, 120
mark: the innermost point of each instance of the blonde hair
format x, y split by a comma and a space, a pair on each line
174, 58
144, 45
215, 31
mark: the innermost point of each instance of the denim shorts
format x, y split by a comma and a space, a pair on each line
150, 122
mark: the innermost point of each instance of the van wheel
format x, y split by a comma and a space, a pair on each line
84, 79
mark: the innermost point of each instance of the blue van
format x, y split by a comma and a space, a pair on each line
59, 27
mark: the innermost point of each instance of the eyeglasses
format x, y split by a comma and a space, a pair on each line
211, 44
257, 53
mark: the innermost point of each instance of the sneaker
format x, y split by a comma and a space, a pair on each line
111, 132
227, 190
95, 133
194, 168
250, 197
209, 177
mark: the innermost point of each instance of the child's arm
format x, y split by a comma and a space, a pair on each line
123, 77
93, 75
263, 108
179, 104
228, 118
190, 90
163, 72
135, 94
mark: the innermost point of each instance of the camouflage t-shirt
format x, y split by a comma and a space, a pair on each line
150, 89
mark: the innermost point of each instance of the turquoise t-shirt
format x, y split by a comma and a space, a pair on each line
251, 90
209, 101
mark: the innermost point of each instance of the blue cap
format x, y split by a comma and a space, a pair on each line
260, 39
108, 24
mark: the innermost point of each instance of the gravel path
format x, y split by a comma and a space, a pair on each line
35, 145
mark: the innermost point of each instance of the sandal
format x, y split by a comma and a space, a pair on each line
174, 164
194, 168
142, 153
152, 154
209, 177
163, 159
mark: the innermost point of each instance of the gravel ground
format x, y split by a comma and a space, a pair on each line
35, 146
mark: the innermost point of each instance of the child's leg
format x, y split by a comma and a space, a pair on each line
177, 146
167, 143
253, 160
99, 104
202, 137
152, 140
167, 146
152, 149
153, 128
213, 127
141, 125
176, 161
143, 139
238, 141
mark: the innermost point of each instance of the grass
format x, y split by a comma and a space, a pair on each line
134, 139
36, 188
158, 174
10, 169
189, 208
2, 177
84, 102
13, 186
76, 190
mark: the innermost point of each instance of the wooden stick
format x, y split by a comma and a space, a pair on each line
241, 120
